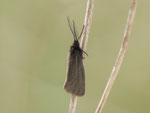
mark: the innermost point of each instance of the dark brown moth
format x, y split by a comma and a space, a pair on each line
75, 81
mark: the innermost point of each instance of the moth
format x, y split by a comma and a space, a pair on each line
75, 81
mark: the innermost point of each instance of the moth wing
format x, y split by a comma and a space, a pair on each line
75, 82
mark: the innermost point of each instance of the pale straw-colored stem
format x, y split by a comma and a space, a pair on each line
119, 58
87, 23
73, 103
84, 39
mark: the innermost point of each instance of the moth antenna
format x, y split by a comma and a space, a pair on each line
77, 32
81, 32
70, 26
74, 29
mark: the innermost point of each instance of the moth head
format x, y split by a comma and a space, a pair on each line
76, 43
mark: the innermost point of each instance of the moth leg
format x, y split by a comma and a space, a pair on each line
85, 52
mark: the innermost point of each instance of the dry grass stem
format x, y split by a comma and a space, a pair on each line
84, 39
87, 23
119, 58
73, 103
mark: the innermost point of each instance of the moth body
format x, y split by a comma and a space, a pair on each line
75, 80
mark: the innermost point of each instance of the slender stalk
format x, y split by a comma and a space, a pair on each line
84, 39
73, 103
87, 23
120, 57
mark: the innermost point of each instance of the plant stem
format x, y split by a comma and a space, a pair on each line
87, 23
119, 58
84, 39
73, 103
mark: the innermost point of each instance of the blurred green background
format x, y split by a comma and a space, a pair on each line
34, 43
